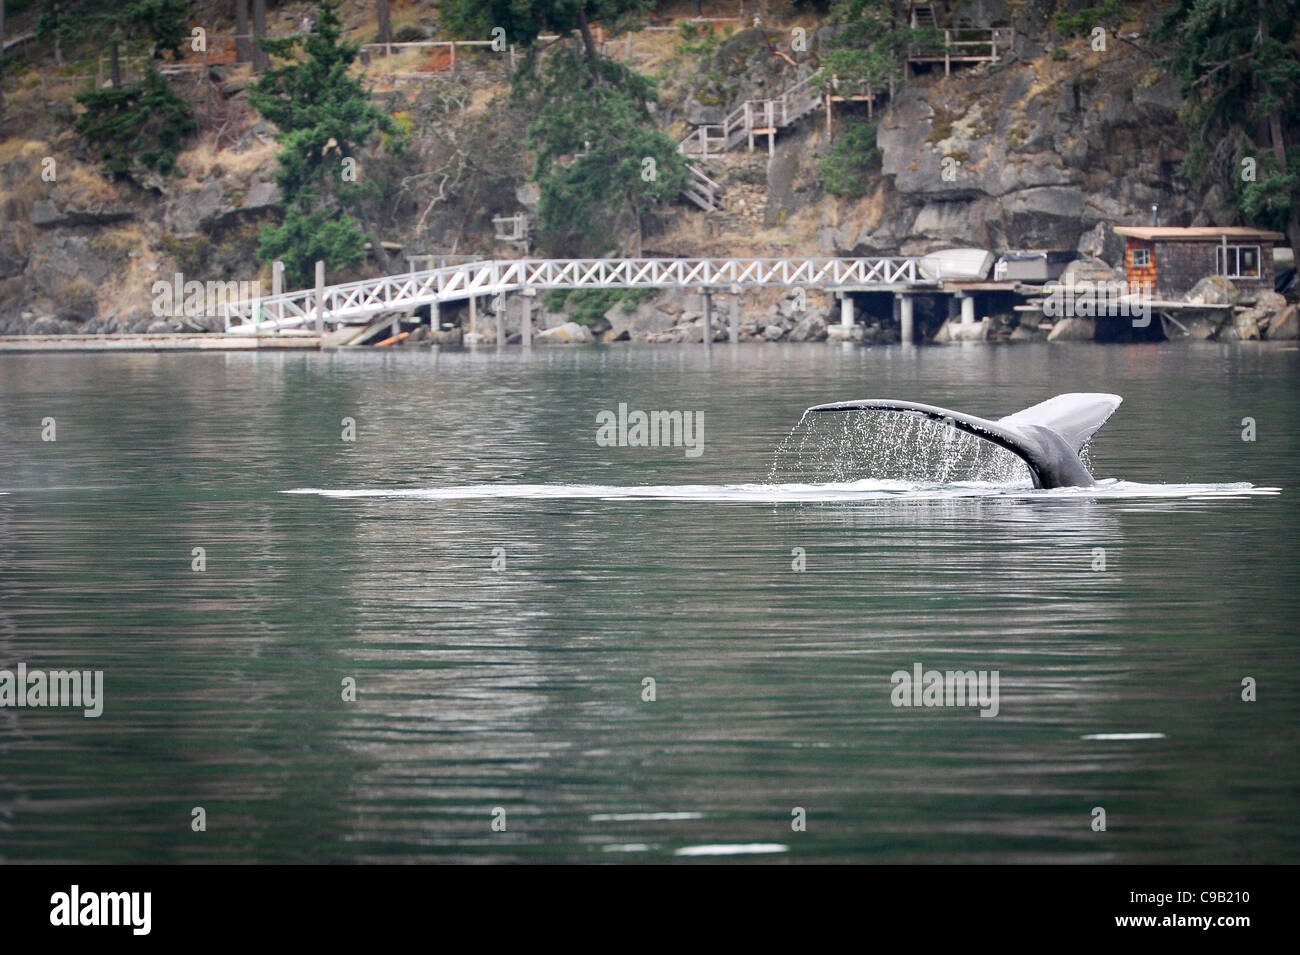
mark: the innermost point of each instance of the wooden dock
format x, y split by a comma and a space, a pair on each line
158, 343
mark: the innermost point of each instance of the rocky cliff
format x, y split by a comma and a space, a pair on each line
1045, 148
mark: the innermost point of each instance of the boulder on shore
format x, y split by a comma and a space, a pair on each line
954, 330
570, 333
1285, 326
1073, 330
1213, 290
845, 333
810, 328
1250, 324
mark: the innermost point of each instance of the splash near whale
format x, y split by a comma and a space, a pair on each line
1048, 436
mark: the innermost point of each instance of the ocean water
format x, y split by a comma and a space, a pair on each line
498, 587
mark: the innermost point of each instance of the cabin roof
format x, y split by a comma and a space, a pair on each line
1189, 233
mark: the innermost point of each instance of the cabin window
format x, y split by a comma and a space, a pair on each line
1237, 261
1141, 258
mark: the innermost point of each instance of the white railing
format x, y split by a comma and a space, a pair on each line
703, 142
357, 301
700, 189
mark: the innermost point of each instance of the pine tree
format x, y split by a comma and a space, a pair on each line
324, 118
162, 23
601, 162
145, 124
125, 126
870, 41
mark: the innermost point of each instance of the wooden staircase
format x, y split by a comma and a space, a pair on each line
764, 117
923, 16
754, 117
702, 190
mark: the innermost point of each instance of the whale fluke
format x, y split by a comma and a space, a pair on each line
1047, 436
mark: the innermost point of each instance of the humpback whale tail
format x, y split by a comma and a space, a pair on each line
1047, 437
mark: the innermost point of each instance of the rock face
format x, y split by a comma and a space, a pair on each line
212, 206
51, 213
658, 315
1025, 155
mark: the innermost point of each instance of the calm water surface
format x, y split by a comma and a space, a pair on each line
521, 689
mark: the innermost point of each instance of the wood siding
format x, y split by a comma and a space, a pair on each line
1134, 274
1180, 265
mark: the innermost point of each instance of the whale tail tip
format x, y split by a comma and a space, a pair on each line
1076, 417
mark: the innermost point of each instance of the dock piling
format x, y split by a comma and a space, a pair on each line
526, 320
320, 296
708, 323
733, 333
905, 319
967, 308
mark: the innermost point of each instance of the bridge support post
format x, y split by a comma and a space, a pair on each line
320, 296
526, 320
967, 308
847, 316
435, 320
501, 326
905, 324
733, 332
473, 315
708, 322
277, 287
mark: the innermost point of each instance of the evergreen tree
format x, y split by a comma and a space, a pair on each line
1239, 61
161, 23
124, 126
324, 117
146, 124
602, 163
869, 43
523, 20
600, 157
853, 157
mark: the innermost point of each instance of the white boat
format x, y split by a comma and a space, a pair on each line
969, 265
1032, 265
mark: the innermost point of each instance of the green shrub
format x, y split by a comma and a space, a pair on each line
848, 168
147, 124
408, 34
588, 306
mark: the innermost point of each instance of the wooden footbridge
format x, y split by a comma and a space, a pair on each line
401, 295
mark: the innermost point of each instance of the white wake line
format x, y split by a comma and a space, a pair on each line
794, 493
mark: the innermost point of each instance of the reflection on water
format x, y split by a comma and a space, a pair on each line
499, 586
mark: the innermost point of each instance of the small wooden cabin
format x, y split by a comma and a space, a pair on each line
1172, 259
